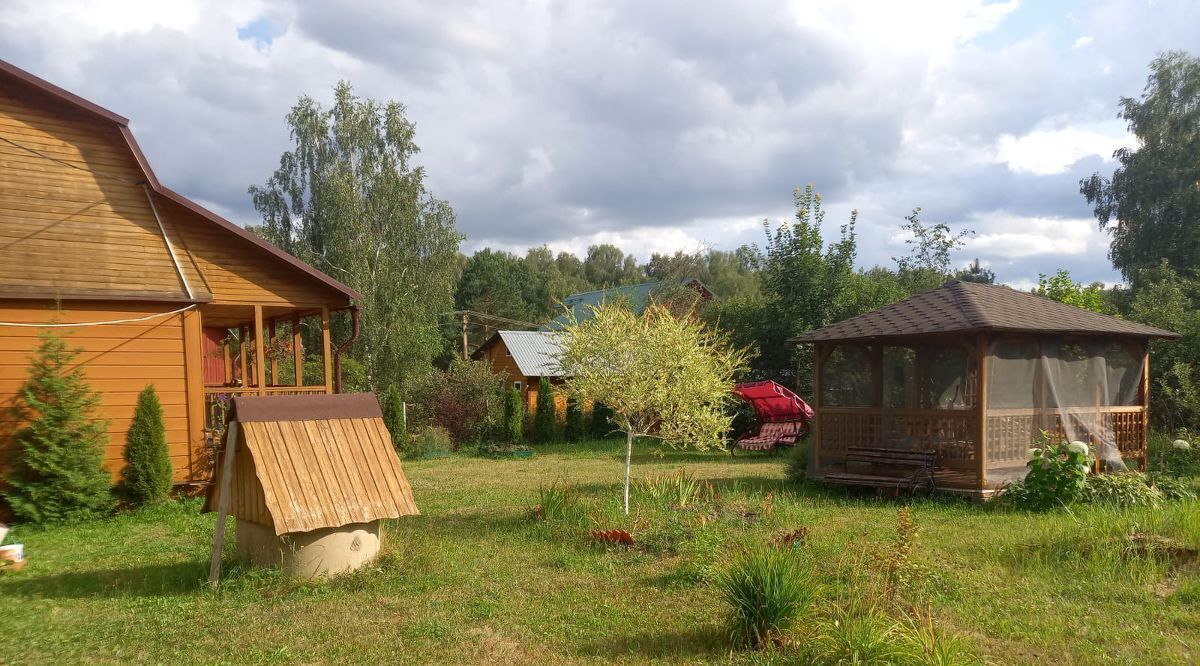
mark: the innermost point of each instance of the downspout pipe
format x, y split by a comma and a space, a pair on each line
337, 353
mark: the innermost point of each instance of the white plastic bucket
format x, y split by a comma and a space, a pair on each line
13, 552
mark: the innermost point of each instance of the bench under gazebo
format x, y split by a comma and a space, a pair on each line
953, 386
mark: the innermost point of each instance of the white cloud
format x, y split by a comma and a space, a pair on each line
1048, 152
1083, 41
1011, 237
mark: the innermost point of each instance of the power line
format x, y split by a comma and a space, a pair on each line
491, 317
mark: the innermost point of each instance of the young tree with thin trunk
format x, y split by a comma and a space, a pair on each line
661, 376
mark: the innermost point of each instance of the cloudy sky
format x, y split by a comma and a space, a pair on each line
652, 125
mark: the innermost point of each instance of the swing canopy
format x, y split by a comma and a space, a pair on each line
773, 403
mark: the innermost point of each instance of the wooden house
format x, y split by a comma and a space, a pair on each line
151, 286
968, 375
523, 358
578, 307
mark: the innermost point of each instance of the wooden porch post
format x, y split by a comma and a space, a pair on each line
326, 348
274, 364
228, 357
981, 398
245, 334
260, 370
298, 351
193, 354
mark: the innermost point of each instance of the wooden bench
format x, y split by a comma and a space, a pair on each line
886, 468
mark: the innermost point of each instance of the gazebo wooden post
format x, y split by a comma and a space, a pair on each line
1145, 445
981, 407
818, 363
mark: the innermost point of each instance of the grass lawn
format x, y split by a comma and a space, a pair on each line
478, 579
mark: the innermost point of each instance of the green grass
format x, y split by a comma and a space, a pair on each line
480, 578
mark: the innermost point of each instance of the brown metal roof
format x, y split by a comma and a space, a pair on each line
160, 189
967, 306
314, 462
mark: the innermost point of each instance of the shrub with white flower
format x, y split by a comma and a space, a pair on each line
1182, 444
1057, 476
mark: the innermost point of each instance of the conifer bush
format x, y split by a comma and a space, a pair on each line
393, 418
58, 472
514, 417
574, 429
600, 425
545, 425
147, 477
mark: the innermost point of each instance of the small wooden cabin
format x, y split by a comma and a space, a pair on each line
523, 358
972, 373
154, 288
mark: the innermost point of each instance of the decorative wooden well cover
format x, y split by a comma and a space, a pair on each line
307, 462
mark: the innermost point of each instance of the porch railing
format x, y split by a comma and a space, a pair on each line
218, 400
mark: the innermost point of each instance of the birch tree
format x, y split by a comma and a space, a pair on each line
349, 199
661, 376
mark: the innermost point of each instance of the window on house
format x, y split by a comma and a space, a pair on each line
517, 385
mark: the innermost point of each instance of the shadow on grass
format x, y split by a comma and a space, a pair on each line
694, 642
145, 581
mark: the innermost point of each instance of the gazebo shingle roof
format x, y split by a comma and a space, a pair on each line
967, 306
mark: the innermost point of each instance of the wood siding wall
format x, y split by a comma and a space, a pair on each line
235, 271
74, 219
119, 362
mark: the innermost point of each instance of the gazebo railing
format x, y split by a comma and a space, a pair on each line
951, 433
1010, 432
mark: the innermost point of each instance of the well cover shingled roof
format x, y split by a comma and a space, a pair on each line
967, 306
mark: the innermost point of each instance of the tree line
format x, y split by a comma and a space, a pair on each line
350, 199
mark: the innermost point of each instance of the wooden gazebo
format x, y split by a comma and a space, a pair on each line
969, 374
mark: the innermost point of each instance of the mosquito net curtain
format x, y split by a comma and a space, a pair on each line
1061, 384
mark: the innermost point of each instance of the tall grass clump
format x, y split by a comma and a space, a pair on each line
556, 502
768, 591
797, 464
857, 633
679, 489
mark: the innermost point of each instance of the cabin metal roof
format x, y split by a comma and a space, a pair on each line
534, 352
958, 307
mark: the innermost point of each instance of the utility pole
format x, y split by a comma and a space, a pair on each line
464, 333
